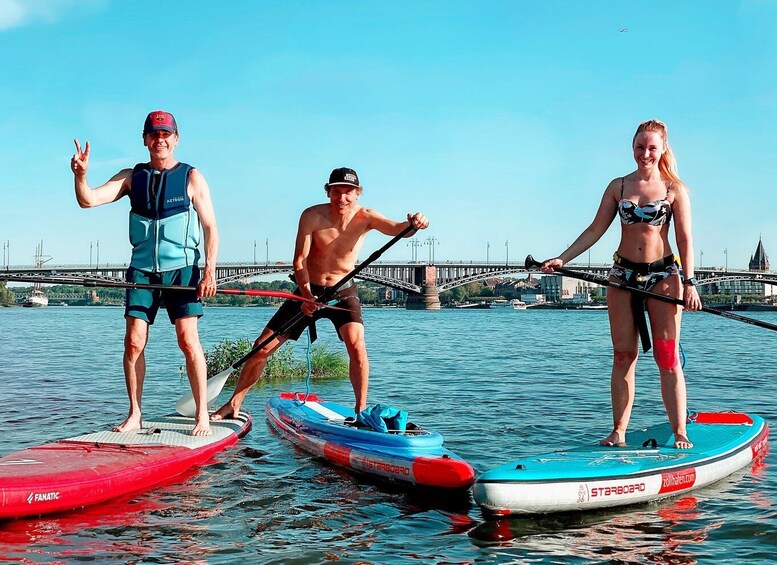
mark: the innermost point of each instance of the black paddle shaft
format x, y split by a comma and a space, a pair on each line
590, 277
75, 281
328, 294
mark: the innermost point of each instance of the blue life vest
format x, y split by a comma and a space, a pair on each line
164, 228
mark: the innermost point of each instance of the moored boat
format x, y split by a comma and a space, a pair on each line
473, 306
36, 299
513, 304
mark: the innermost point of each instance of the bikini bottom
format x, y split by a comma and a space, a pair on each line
643, 276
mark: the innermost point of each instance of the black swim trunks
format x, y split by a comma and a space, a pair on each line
347, 297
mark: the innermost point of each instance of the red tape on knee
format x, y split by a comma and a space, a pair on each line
666, 353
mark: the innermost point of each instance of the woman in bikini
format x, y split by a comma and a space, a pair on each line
645, 201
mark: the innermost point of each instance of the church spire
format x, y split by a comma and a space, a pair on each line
759, 261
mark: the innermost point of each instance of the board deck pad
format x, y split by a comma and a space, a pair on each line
172, 431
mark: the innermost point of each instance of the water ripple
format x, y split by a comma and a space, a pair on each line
497, 385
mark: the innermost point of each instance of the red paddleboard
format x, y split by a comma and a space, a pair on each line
92, 468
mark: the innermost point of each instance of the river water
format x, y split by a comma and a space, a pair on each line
498, 384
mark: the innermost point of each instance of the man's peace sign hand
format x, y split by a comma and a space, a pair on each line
80, 161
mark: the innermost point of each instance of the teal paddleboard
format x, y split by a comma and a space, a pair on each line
647, 468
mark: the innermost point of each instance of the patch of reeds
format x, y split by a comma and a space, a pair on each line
282, 365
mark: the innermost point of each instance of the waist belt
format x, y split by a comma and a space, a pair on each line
318, 290
638, 301
645, 268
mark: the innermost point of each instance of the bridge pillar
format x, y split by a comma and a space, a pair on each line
429, 298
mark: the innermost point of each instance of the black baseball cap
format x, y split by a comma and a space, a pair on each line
343, 175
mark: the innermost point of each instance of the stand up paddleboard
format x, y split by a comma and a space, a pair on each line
647, 468
91, 468
415, 456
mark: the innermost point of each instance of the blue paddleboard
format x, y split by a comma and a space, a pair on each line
414, 456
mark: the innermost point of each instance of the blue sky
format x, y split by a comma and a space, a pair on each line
502, 121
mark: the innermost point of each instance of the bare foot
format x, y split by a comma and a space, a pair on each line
682, 442
131, 424
226, 412
613, 440
202, 429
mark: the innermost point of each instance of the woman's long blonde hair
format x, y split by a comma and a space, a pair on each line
667, 164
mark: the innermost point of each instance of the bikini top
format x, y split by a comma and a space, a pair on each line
654, 213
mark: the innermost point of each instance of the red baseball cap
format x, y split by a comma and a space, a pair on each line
159, 120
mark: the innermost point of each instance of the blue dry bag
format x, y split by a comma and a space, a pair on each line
383, 418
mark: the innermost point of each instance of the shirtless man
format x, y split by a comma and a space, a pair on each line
329, 238
172, 197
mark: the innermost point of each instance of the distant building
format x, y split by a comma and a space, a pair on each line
529, 290
581, 298
759, 261
512, 287
557, 288
388, 294
533, 298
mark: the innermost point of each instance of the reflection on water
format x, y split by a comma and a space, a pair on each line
497, 385
670, 531
627, 535
48, 536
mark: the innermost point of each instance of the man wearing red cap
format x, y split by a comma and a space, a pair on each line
328, 242
169, 201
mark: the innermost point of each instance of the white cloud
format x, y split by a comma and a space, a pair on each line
12, 13
17, 13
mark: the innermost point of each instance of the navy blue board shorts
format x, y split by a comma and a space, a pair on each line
144, 304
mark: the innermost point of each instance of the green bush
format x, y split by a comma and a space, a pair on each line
282, 365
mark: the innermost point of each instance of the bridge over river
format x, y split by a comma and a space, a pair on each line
421, 281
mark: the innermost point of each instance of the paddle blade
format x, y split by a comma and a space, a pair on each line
186, 405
